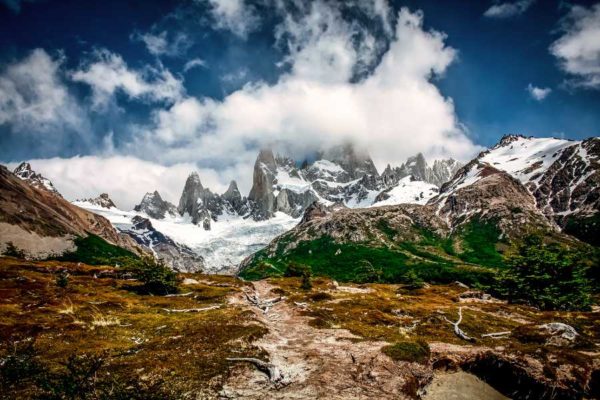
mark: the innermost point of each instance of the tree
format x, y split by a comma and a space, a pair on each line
367, 273
155, 275
412, 281
548, 276
13, 251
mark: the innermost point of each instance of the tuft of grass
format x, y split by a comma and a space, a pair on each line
410, 351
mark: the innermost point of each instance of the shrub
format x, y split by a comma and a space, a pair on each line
368, 273
306, 280
547, 276
295, 269
155, 275
62, 279
411, 351
411, 280
12, 251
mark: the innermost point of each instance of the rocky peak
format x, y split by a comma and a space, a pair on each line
103, 201
27, 174
261, 193
192, 191
154, 206
356, 162
416, 166
508, 139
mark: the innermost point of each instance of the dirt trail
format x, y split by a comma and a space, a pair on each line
317, 363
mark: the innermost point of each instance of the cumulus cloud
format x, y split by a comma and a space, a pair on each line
395, 111
578, 49
34, 98
160, 44
108, 73
235, 16
538, 93
508, 10
124, 178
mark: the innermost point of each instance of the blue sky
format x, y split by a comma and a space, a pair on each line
204, 83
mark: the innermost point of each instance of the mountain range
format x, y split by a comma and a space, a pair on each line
518, 185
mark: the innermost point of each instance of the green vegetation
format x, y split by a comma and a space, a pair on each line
411, 351
548, 276
94, 250
156, 277
12, 251
586, 229
412, 281
431, 259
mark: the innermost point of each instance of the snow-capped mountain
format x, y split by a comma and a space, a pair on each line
563, 176
154, 206
25, 173
103, 201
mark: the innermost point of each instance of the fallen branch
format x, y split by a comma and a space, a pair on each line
264, 305
497, 335
457, 331
272, 371
180, 295
185, 310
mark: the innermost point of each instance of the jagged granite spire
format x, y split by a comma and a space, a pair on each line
192, 191
155, 207
261, 193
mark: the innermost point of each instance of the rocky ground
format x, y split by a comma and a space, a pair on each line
220, 337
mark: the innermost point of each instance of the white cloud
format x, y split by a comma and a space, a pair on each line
395, 112
194, 63
125, 179
538, 93
235, 16
508, 10
34, 98
159, 44
108, 73
578, 49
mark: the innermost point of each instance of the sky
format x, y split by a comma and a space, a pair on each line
127, 97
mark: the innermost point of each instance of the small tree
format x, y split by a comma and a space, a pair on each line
306, 280
155, 275
412, 281
548, 276
295, 269
367, 273
62, 279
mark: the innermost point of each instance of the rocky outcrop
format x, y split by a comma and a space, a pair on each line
155, 207
103, 201
177, 256
31, 210
355, 162
25, 173
261, 195
235, 203
199, 203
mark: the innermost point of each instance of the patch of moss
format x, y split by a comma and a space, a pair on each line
411, 351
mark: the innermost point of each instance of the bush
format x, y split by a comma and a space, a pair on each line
367, 273
306, 280
155, 275
295, 269
547, 276
412, 281
62, 279
410, 351
12, 251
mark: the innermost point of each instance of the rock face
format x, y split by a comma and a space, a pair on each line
261, 195
32, 217
562, 175
177, 256
199, 203
24, 172
103, 201
155, 207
